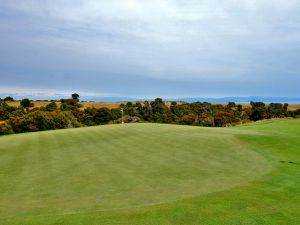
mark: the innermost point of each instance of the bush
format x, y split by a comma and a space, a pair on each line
69, 104
40, 121
206, 120
51, 117
296, 113
26, 103
259, 111
130, 119
51, 107
277, 110
222, 119
5, 110
188, 119
5, 129
102, 116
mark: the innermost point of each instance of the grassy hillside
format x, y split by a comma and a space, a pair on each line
152, 174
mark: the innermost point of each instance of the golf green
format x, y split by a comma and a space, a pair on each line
108, 172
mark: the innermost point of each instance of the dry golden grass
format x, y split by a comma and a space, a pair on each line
110, 105
85, 105
36, 103
113, 105
294, 107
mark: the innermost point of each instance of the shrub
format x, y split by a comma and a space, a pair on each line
5, 129
206, 120
5, 110
259, 111
188, 119
26, 103
51, 107
277, 110
222, 119
130, 119
296, 113
69, 104
40, 120
102, 116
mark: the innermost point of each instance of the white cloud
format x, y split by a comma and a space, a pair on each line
41, 93
163, 20
167, 39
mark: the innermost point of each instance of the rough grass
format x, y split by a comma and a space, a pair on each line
97, 105
152, 174
113, 105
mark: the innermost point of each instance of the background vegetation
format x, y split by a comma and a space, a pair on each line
18, 117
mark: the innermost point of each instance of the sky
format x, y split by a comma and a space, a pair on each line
146, 49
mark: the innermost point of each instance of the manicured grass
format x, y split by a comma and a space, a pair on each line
153, 174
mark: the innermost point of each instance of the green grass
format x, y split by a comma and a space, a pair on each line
152, 174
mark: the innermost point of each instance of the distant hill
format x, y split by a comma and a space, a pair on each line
244, 99
291, 100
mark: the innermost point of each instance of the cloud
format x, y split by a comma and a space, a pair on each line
169, 40
41, 93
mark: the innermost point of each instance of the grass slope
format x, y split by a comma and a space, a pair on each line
152, 174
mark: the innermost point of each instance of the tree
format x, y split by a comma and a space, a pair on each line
147, 110
139, 108
9, 99
102, 116
75, 96
158, 106
130, 109
258, 111
230, 105
277, 110
26, 103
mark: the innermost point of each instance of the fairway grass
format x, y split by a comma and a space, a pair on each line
152, 174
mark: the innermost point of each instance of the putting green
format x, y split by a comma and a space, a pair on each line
113, 166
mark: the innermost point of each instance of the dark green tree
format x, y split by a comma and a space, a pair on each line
258, 111
102, 116
9, 99
75, 96
26, 103
147, 110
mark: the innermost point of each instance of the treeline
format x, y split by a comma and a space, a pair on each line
70, 114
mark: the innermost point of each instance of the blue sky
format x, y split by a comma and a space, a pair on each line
145, 49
